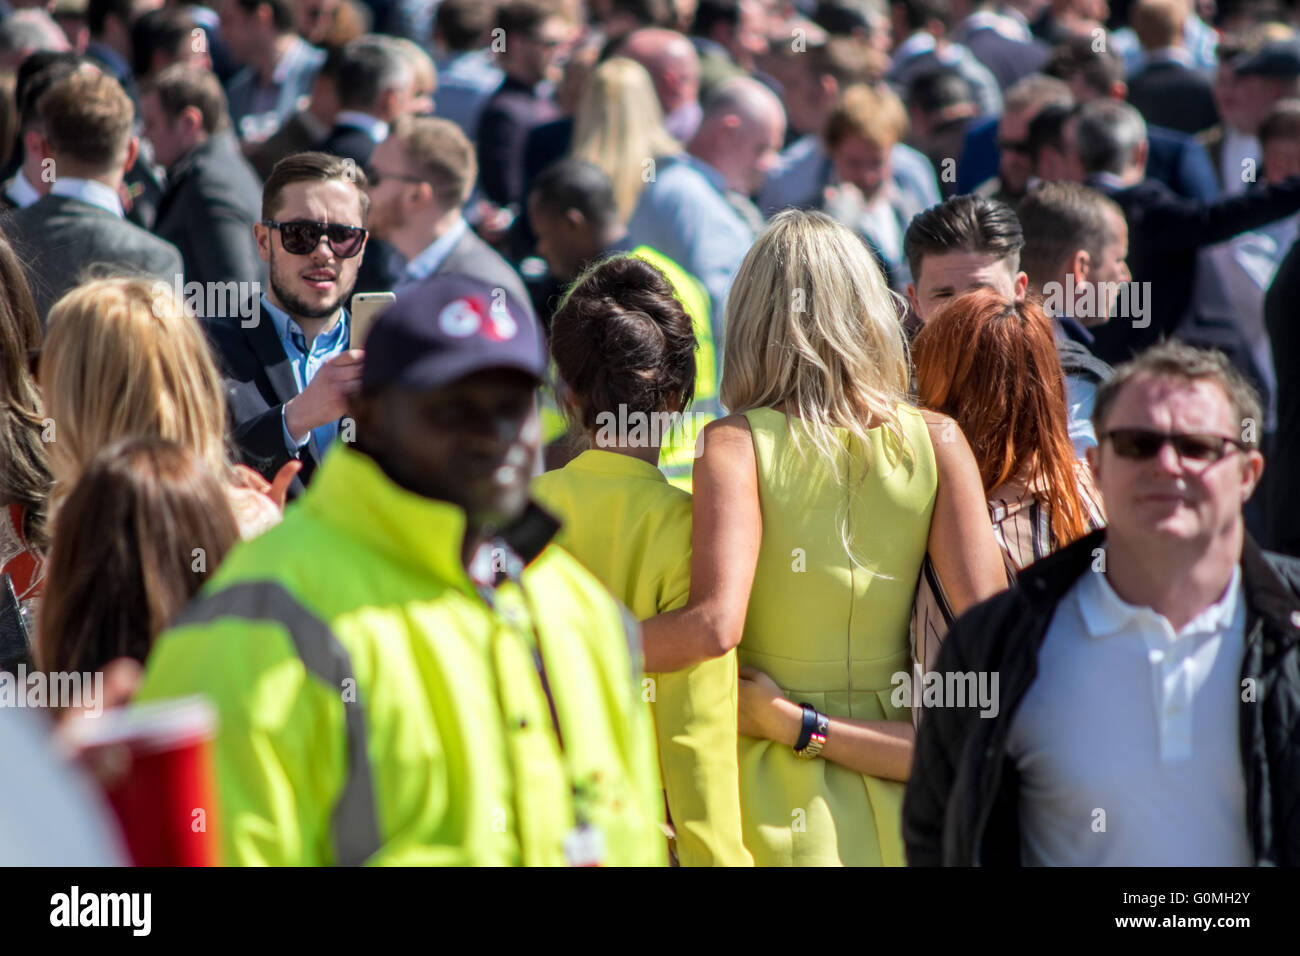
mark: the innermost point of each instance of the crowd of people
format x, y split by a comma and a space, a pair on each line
791, 433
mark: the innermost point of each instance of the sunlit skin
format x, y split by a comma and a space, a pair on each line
471, 443
946, 276
1109, 265
1014, 167
312, 286
862, 163
1166, 502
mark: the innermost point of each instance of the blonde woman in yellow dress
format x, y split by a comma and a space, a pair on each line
624, 348
815, 503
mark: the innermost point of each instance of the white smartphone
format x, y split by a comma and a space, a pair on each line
366, 307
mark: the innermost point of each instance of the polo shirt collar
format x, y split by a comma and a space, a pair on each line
1106, 614
372, 126
281, 320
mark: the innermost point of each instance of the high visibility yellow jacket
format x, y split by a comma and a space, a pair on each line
677, 453
632, 529
375, 708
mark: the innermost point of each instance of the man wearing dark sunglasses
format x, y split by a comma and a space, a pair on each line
290, 372
1148, 672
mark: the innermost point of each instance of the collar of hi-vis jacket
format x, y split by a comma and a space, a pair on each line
1047, 581
351, 492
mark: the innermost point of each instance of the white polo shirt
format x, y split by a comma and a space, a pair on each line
1127, 741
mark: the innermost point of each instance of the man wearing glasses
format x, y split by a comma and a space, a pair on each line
289, 370
1149, 674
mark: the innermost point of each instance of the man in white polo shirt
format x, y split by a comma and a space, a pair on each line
1149, 673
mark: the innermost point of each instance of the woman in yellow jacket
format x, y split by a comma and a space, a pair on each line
624, 349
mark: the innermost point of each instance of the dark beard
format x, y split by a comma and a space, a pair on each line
295, 306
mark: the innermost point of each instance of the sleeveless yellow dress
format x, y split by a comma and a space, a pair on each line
832, 633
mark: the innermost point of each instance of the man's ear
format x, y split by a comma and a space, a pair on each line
192, 117
263, 236
1021, 286
575, 220
132, 151
1252, 469
1081, 265
911, 297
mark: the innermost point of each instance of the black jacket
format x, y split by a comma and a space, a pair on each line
258, 380
213, 199
1165, 235
961, 805
1174, 96
1282, 476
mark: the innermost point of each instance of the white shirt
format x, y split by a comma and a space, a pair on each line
90, 191
431, 256
22, 192
1127, 742
376, 129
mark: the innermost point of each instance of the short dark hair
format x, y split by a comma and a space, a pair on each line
98, 12
963, 224
370, 65
621, 337
1058, 220
710, 13
524, 18
937, 90
183, 85
648, 13
165, 30
313, 167
1171, 358
1047, 128
1100, 70
281, 13
463, 24
577, 184
920, 12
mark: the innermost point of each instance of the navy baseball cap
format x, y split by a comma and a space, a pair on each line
1272, 59
447, 327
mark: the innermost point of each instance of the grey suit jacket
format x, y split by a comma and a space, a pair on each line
208, 211
473, 257
63, 242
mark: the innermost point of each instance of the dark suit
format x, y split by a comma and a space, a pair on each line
1174, 96
258, 380
512, 112
348, 142
63, 241
299, 134
208, 212
1283, 471
473, 257
1165, 234
1008, 60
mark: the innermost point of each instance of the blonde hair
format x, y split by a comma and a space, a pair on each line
869, 112
620, 126
123, 358
811, 327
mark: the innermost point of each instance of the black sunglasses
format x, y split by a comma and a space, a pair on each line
301, 238
1141, 444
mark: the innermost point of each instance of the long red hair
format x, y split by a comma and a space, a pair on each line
991, 364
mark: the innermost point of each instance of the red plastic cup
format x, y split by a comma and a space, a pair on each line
154, 762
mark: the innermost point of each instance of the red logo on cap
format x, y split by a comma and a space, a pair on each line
462, 318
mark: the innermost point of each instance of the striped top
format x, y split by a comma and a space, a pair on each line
1022, 523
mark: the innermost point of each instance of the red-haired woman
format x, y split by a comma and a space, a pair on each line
991, 365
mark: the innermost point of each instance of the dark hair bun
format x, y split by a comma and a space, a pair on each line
621, 337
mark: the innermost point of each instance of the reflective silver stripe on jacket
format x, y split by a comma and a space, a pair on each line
356, 820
